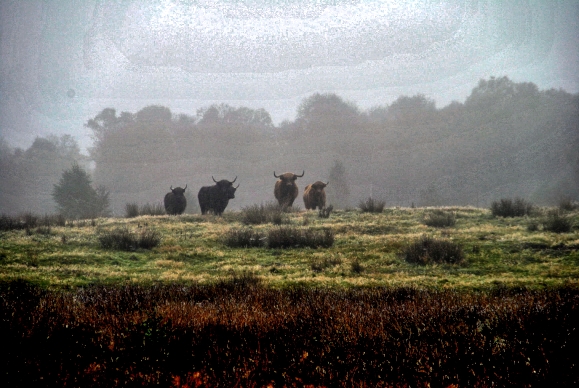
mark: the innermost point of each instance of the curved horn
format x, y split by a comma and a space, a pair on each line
171, 188
185, 187
303, 172
237, 186
277, 176
234, 179
213, 179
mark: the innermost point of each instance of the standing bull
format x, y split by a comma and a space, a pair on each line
215, 198
315, 196
175, 202
286, 190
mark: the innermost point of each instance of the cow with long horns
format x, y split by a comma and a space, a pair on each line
215, 198
286, 190
175, 201
315, 196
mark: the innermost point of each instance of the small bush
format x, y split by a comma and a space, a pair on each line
440, 219
148, 239
557, 223
123, 239
131, 210
533, 226
325, 212
29, 221
357, 267
157, 209
319, 265
263, 214
372, 206
243, 238
507, 207
428, 250
567, 204
292, 237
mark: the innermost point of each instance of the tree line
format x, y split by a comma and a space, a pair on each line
506, 139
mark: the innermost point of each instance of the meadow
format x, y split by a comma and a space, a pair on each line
367, 250
353, 299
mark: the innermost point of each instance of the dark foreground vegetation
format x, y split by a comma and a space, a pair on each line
241, 333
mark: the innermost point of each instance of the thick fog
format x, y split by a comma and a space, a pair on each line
426, 103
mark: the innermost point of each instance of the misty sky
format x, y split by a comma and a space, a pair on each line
62, 62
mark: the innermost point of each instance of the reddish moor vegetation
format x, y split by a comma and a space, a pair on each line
240, 333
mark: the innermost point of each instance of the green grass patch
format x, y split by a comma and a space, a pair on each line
349, 249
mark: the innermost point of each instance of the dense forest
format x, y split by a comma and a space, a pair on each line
506, 140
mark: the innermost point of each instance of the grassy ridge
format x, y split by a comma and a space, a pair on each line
239, 333
366, 251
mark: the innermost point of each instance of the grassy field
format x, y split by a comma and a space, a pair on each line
367, 251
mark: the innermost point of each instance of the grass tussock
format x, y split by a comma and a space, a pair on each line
325, 212
293, 237
428, 250
133, 210
30, 221
269, 212
372, 205
237, 332
244, 238
507, 207
320, 264
122, 238
567, 204
440, 219
279, 237
557, 223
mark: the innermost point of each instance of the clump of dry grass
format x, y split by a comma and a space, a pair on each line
122, 238
372, 205
428, 250
440, 219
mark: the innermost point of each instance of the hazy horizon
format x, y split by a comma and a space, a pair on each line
62, 63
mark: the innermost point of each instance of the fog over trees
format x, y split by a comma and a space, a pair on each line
506, 140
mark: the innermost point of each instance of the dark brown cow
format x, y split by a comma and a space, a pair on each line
175, 202
286, 190
315, 196
215, 198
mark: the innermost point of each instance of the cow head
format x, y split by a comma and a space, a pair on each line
319, 185
288, 178
226, 187
178, 191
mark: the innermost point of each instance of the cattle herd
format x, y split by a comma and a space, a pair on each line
215, 198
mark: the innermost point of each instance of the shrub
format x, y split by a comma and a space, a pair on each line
123, 239
319, 265
567, 204
292, 237
372, 206
507, 207
533, 226
243, 238
325, 212
263, 214
357, 267
28, 221
157, 209
428, 250
440, 219
148, 239
131, 210
557, 223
